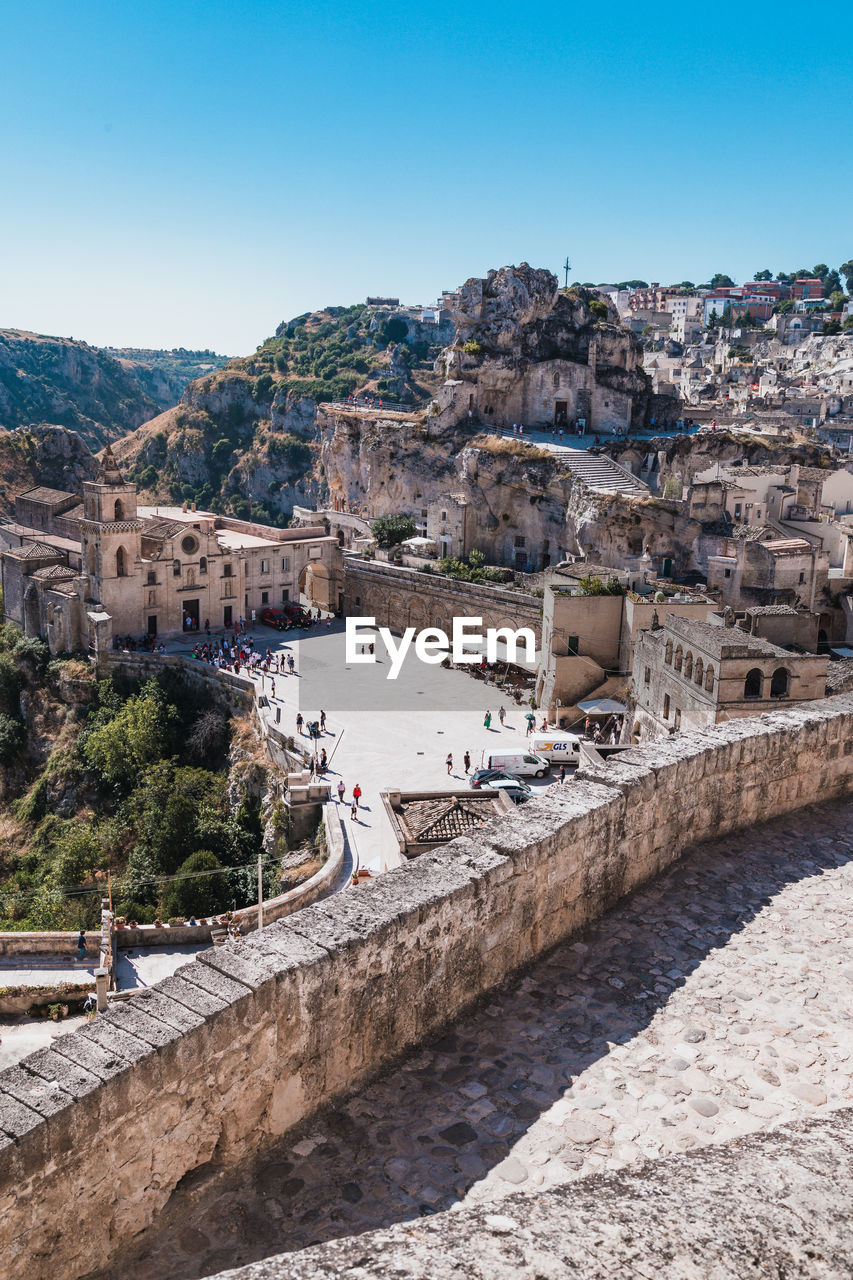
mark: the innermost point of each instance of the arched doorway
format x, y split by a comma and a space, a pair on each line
315, 583
32, 612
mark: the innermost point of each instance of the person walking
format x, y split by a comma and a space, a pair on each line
449, 762
502, 715
562, 774
353, 813
272, 684
341, 791
81, 945
322, 722
356, 795
299, 722
466, 760
487, 723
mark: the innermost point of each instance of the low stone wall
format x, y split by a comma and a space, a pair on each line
236, 692
251, 1038
62, 945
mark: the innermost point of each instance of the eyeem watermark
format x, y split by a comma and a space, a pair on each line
432, 645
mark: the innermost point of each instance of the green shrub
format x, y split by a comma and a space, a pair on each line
200, 894
391, 530
11, 733
10, 687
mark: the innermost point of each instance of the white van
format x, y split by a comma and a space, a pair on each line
521, 764
559, 748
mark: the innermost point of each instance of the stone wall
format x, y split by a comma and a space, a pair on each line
237, 693
399, 598
251, 1038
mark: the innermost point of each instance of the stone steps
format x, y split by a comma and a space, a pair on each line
603, 474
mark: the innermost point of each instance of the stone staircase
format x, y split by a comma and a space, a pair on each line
603, 474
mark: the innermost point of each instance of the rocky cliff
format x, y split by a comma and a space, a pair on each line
100, 394
43, 455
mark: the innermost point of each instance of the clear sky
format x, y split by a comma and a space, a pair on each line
189, 174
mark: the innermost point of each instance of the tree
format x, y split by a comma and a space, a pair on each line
719, 280
846, 270
764, 275
687, 286
837, 300
592, 585
199, 894
820, 271
831, 284
133, 738
395, 330
785, 307
391, 530
598, 308
713, 318
633, 284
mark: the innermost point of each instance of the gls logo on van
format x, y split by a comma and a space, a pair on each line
432, 645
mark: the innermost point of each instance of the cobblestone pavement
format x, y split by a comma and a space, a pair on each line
714, 1003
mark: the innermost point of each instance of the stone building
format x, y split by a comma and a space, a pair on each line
588, 643
160, 571
690, 675
757, 566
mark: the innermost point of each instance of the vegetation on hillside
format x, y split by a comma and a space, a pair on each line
133, 781
98, 393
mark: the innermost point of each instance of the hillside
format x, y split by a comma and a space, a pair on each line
245, 439
42, 455
100, 394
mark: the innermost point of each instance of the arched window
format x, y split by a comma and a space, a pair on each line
697, 672
752, 683
556, 379
709, 679
152, 578
678, 658
202, 565
176, 568
119, 509
779, 683
121, 563
668, 653
688, 666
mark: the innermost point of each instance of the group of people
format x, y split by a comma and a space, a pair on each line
356, 796
241, 655
610, 732
145, 644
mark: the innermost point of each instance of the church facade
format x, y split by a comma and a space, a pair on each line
81, 573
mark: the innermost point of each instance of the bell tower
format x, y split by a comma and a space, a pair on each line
111, 538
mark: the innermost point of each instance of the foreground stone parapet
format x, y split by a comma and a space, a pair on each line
246, 1042
774, 1204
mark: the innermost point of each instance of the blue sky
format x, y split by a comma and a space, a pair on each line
192, 173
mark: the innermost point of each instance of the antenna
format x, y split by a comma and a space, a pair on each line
567, 266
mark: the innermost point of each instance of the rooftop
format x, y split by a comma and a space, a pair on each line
720, 641
52, 496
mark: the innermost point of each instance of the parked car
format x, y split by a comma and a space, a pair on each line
518, 792
485, 777
520, 764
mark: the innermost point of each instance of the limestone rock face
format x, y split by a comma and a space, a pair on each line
506, 301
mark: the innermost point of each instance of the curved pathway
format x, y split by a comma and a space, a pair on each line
716, 1002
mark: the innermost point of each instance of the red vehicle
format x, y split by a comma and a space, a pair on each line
289, 615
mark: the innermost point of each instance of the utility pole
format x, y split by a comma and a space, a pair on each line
260, 891
567, 266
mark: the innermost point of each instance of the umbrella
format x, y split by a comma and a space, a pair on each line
602, 707
530, 716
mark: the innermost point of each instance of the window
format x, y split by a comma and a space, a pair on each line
678, 658
285, 595
779, 683
688, 666
647, 676
265, 597
226, 570
728, 573
519, 541
573, 645
697, 673
119, 509
202, 565
152, 578
121, 563
189, 544
176, 568
358, 600
666, 706
265, 566
802, 577
738, 509
752, 683
285, 564
444, 515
